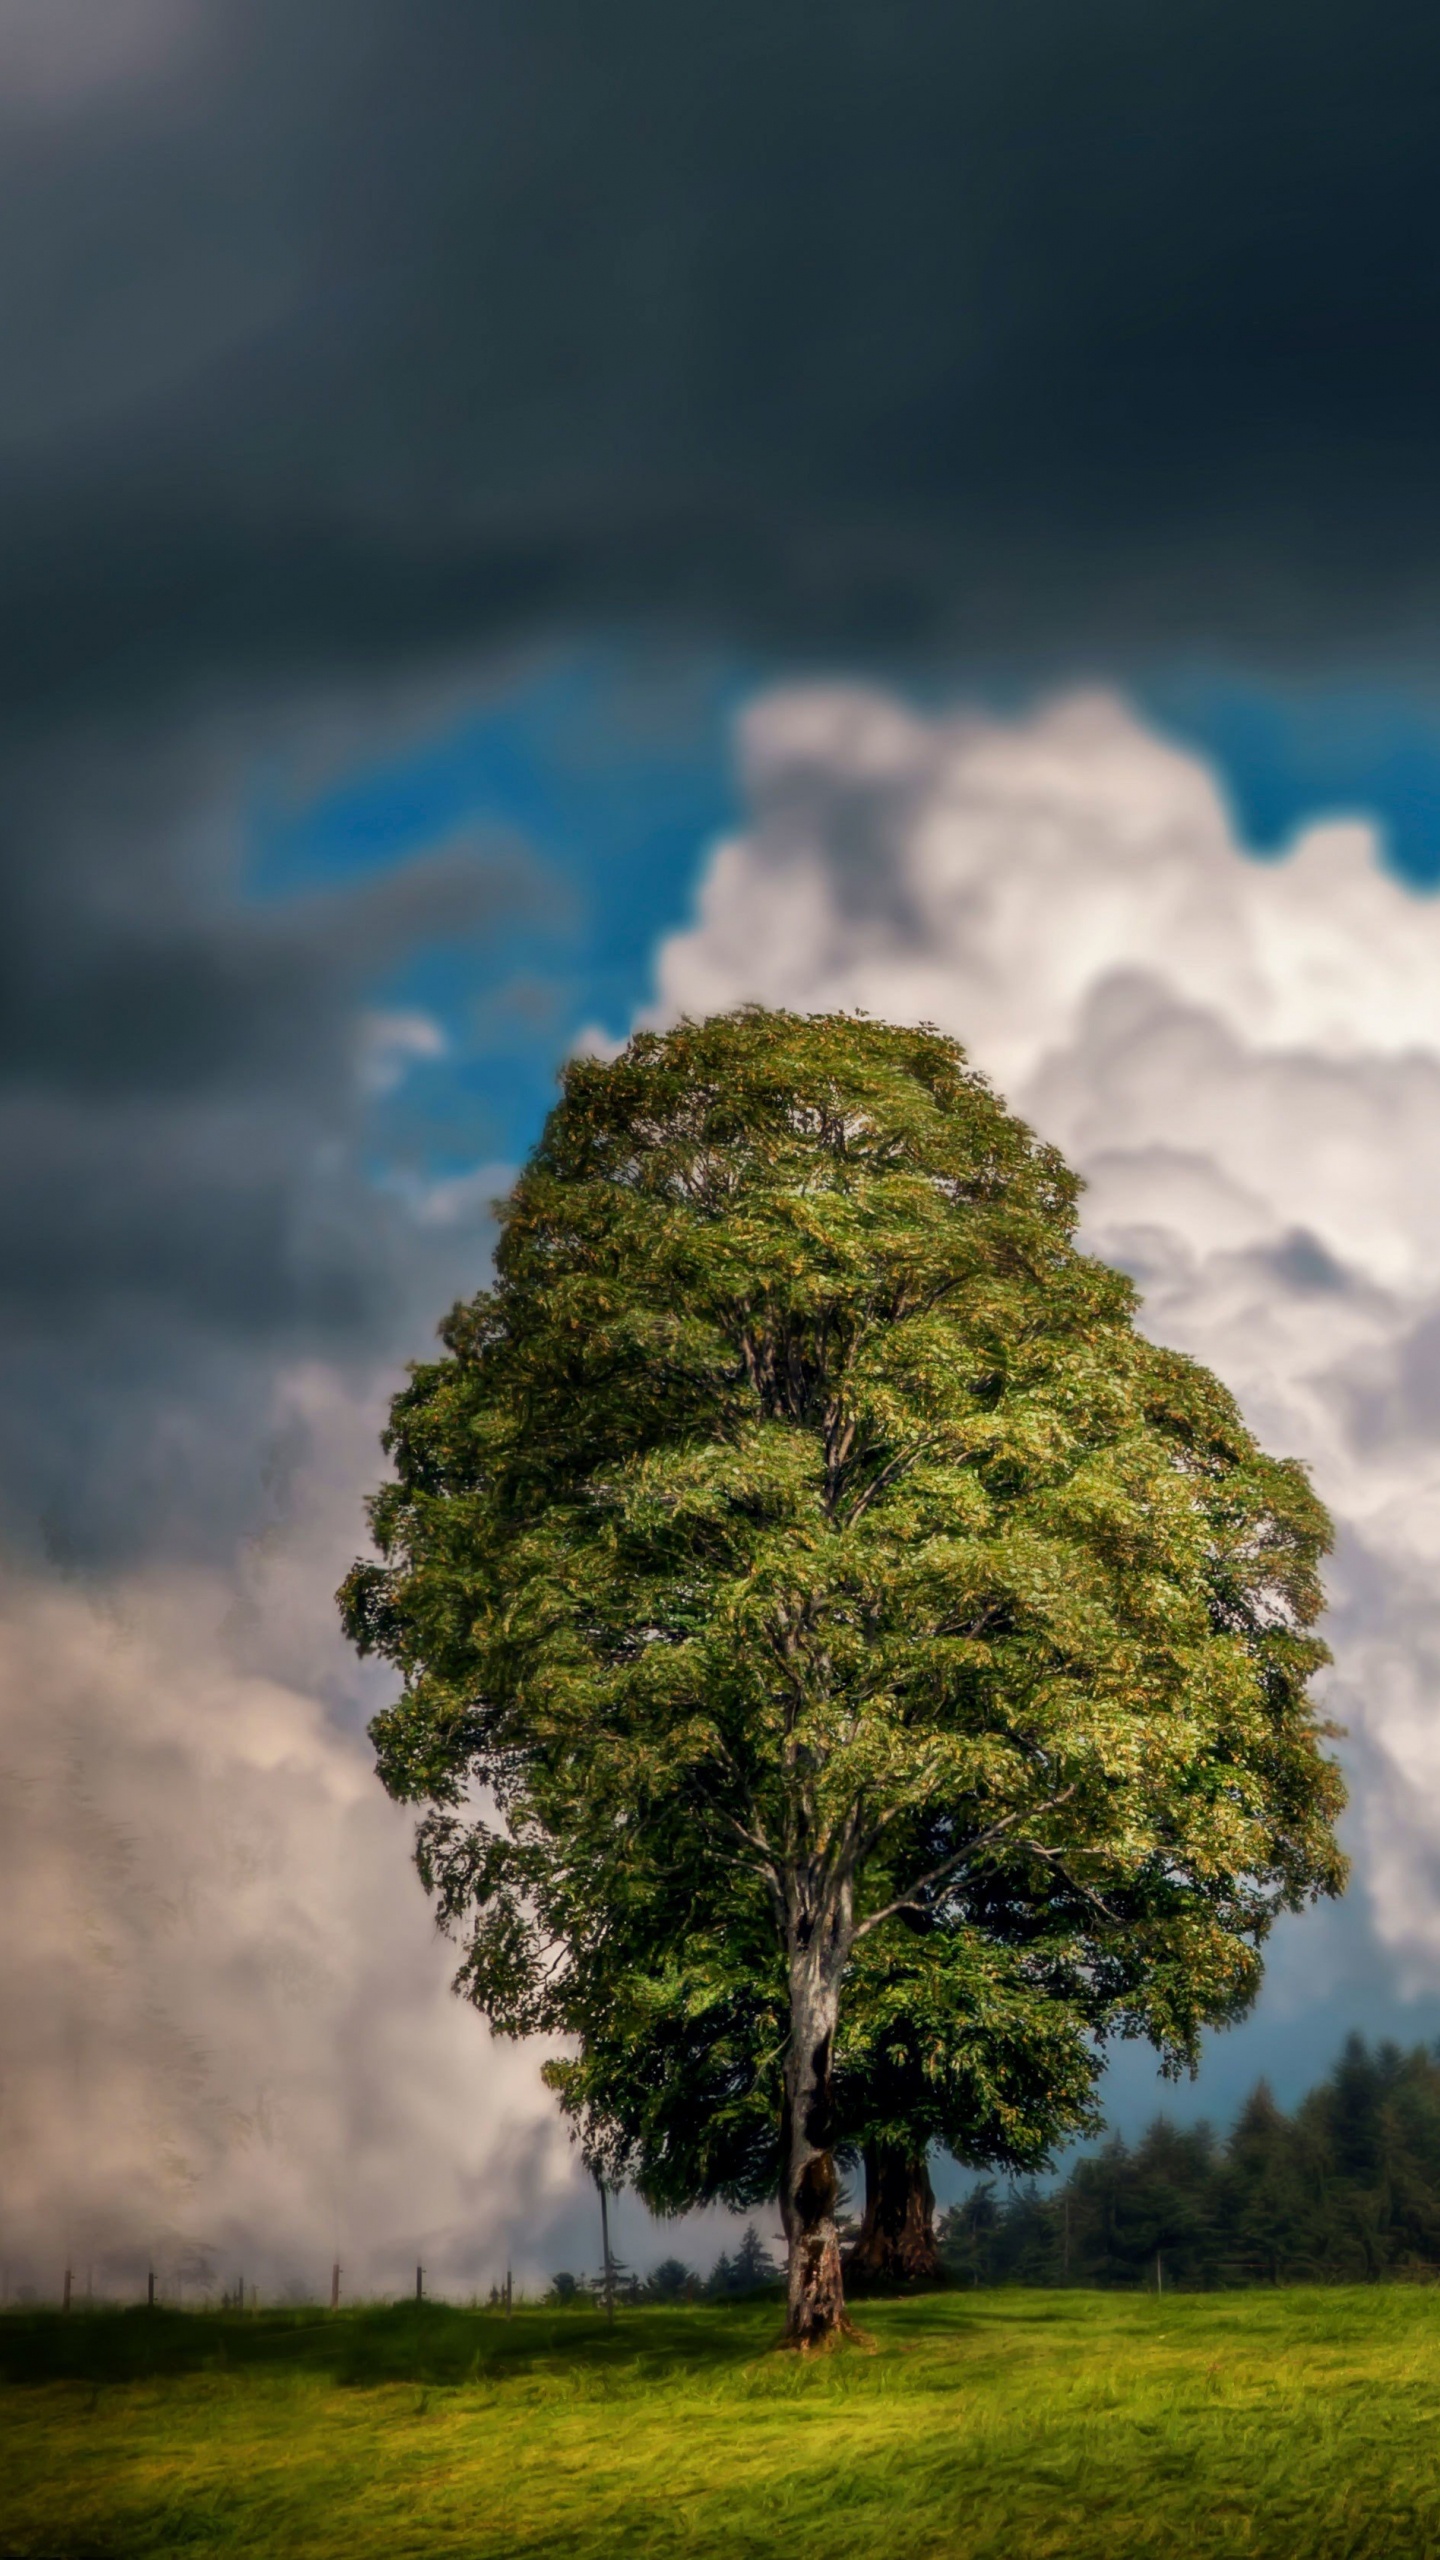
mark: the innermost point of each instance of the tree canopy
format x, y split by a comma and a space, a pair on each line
831, 1634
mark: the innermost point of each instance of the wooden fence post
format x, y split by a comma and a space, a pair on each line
607, 2261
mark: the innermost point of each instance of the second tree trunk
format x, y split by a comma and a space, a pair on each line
896, 2240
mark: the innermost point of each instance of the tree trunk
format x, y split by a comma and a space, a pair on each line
815, 2293
896, 2242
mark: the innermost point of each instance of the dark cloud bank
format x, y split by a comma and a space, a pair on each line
1012, 327
181, 1140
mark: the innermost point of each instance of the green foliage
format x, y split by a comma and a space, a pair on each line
1345, 2190
1001, 2426
799, 1542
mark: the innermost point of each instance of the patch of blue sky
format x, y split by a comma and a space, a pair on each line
609, 776
1289, 754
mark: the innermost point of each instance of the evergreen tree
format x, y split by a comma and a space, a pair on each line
671, 2281
1266, 2208
803, 1551
967, 2234
753, 2265
749, 2271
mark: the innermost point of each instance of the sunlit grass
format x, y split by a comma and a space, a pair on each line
1297, 2425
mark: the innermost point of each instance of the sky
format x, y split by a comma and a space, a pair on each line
517, 521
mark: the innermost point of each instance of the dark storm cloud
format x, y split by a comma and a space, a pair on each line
181, 1137
1013, 324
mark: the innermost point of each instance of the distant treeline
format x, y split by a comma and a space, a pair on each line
1344, 2191
750, 2270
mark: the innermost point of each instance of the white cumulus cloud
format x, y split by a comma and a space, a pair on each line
227, 2040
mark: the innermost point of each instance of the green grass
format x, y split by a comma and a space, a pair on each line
1008, 2426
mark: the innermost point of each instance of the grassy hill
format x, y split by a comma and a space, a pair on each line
1078, 2426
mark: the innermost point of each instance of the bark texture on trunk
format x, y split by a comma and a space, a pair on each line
896, 2240
815, 2292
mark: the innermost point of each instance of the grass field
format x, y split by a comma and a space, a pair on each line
1297, 2425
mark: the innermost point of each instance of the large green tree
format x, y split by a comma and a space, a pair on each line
798, 1557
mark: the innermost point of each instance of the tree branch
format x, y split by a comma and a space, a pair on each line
755, 1840
910, 1899
888, 1476
1052, 1858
